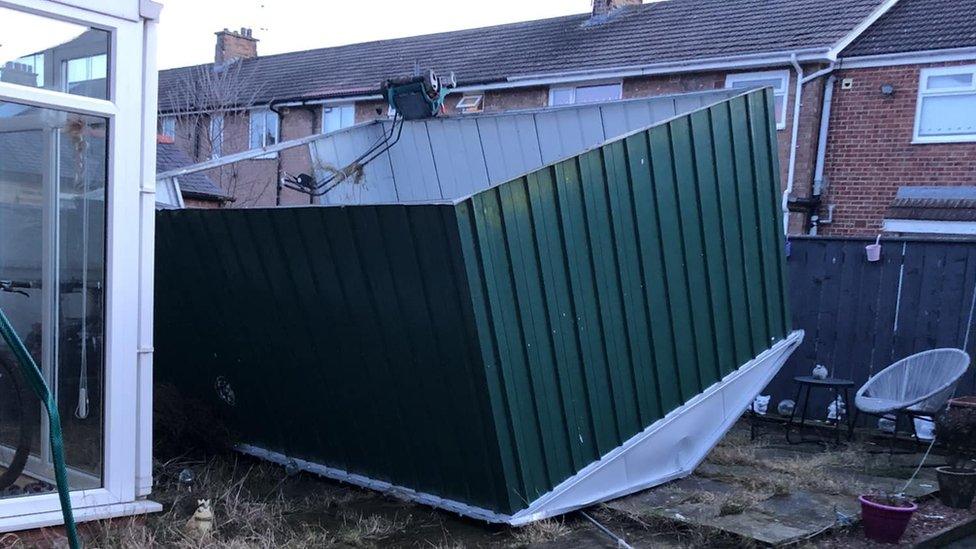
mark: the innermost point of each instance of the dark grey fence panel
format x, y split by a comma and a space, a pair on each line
860, 316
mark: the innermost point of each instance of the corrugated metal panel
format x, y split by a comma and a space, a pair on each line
333, 327
604, 298
450, 158
489, 350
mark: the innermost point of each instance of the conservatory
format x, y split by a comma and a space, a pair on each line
76, 262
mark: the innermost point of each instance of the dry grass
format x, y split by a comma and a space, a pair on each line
363, 531
782, 475
541, 532
246, 514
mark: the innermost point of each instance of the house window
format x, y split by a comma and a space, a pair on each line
778, 80
571, 95
946, 110
216, 135
336, 117
167, 126
263, 129
86, 72
470, 103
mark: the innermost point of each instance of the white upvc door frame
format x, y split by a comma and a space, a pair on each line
129, 234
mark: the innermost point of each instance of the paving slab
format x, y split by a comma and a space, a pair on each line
801, 513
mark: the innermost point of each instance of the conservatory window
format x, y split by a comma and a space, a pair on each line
778, 80
946, 110
56, 55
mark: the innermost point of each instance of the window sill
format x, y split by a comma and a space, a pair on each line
944, 140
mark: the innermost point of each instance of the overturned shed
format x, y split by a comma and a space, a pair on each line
510, 351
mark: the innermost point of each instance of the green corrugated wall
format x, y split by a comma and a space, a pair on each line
487, 351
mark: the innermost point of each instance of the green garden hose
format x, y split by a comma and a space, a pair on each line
33, 375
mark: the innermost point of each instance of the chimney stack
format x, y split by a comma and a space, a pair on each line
18, 73
602, 8
233, 45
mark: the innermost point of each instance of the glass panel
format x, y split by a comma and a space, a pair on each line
336, 118
950, 81
216, 135
561, 96
270, 128
167, 126
593, 94
948, 115
53, 172
779, 99
256, 129
41, 52
775, 83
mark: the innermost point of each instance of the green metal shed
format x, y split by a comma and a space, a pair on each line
580, 332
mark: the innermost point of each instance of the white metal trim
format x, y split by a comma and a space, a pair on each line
578, 491
50, 99
909, 58
860, 28
925, 226
84, 514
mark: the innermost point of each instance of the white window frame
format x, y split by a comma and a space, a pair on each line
264, 112
216, 135
327, 107
470, 103
784, 75
573, 87
129, 235
923, 76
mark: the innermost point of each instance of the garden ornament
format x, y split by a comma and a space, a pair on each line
836, 409
761, 404
786, 407
820, 372
201, 522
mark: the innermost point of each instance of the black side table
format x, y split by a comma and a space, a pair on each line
808, 383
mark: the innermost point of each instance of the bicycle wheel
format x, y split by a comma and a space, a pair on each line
15, 414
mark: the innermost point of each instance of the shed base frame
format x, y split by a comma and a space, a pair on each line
684, 436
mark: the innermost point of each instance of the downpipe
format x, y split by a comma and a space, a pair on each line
801, 79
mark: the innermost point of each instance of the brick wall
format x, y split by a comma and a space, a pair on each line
870, 152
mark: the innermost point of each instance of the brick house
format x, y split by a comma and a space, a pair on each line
622, 50
893, 148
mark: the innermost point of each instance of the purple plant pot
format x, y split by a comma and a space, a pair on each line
884, 523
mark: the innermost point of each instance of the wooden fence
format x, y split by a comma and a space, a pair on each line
861, 316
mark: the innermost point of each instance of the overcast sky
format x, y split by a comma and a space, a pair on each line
187, 26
